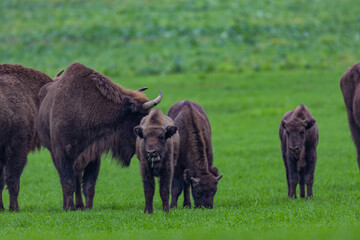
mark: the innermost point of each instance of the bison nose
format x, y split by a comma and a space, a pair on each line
295, 149
151, 153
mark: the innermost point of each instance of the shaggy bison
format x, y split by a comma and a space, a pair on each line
19, 88
350, 87
157, 147
299, 136
82, 115
194, 165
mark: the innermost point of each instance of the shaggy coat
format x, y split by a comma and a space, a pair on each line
157, 148
82, 115
19, 105
299, 137
350, 88
194, 166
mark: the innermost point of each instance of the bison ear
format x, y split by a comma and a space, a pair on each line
194, 181
139, 131
170, 131
214, 171
283, 123
309, 123
129, 105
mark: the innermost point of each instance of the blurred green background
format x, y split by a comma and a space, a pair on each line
139, 37
246, 63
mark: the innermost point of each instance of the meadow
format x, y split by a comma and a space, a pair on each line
246, 63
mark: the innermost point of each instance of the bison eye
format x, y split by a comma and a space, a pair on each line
302, 132
162, 138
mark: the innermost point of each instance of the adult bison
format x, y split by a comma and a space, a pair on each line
157, 147
82, 115
350, 87
299, 136
195, 163
19, 105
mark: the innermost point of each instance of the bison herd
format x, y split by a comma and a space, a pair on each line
82, 114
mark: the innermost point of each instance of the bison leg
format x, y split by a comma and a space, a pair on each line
2, 182
302, 183
78, 197
286, 170
67, 184
355, 132
302, 188
149, 188
187, 200
15, 163
293, 178
309, 175
90, 176
176, 188
165, 191
64, 167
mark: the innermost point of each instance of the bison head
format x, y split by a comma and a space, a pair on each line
154, 144
296, 134
203, 187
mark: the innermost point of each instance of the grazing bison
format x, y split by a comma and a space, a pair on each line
194, 165
299, 137
19, 105
350, 87
157, 147
82, 115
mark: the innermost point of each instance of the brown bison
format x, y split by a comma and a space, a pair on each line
19, 105
157, 148
82, 115
299, 137
194, 165
350, 87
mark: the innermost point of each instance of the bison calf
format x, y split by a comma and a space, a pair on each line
299, 136
157, 147
194, 166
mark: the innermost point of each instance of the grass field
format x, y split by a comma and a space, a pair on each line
246, 63
245, 112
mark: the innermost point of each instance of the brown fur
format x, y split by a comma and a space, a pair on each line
157, 138
194, 167
82, 115
299, 137
350, 88
19, 88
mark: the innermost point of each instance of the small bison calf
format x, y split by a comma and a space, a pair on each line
157, 147
299, 136
195, 163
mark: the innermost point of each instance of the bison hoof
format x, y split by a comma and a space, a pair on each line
80, 206
149, 211
16, 209
187, 205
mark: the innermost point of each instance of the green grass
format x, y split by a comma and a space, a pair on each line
247, 63
245, 112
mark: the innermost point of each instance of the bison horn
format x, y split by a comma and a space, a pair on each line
219, 177
152, 103
142, 89
194, 180
59, 74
